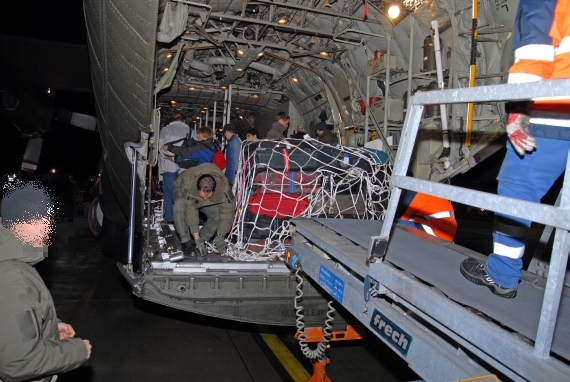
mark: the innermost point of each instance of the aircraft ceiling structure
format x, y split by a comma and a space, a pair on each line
315, 54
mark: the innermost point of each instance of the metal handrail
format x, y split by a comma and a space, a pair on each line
558, 217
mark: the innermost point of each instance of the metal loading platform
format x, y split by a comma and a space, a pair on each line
406, 287
424, 298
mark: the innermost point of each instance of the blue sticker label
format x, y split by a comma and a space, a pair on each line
331, 283
391, 332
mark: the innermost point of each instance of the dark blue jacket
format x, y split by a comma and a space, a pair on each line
232, 157
202, 151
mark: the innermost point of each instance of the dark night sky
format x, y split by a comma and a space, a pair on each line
67, 148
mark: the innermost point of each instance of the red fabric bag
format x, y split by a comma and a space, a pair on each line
276, 205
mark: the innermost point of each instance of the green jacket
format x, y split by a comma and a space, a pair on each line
186, 188
328, 137
29, 339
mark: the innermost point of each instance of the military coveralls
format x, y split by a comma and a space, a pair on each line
220, 209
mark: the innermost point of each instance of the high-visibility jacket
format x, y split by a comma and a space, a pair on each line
428, 213
541, 39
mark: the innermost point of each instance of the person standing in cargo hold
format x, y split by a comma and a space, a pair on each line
203, 188
539, 137
233, 149
427, 213
34, 344
279, 126
202, 152
324, 135
174, 131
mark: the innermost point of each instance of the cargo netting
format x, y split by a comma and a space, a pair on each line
281, 180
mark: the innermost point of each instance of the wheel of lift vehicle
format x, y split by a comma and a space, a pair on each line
114, 239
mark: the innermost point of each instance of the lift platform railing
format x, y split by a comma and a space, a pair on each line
557, 217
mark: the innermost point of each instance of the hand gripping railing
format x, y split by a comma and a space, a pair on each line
558, 217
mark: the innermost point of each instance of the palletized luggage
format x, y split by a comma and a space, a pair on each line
294, 182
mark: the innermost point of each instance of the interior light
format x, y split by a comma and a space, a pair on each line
165, 70
393, 11
254, 96
240, 116
187, 31
237, 108
260, 54
191, 88
223, 87
173, 102
239, 69
169, 55
53, 170
49, 90
294, 79
205, 108
282, 19
324, 54
203, 111
240, 52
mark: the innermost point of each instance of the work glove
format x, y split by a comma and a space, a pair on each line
201, 246
519, 134
220, 244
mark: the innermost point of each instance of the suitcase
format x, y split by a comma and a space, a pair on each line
294, 182
335, 158
276, 205
260, 226
292, 156
342, 205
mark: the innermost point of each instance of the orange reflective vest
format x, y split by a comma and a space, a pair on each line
433, 215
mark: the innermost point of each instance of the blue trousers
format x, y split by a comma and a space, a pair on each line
527, 178
167, 179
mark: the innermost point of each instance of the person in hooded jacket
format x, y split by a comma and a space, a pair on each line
205, 189
203, 151
34, 344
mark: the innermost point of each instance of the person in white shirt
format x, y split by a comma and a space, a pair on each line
175, 130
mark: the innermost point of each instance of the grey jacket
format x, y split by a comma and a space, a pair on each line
185, 187
276, 131
30, 347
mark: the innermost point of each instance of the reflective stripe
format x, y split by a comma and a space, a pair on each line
428, 230
564, 46
519, 78
510, 252
538, 52
552, 121
439, 215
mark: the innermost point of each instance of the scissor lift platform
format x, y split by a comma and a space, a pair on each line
444, 326
424, 295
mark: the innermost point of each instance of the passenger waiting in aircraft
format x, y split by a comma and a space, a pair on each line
233, 149
324, 135
539, 140
279, 126
252, 135
205, 189
427, 213
174, 131
203, 151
